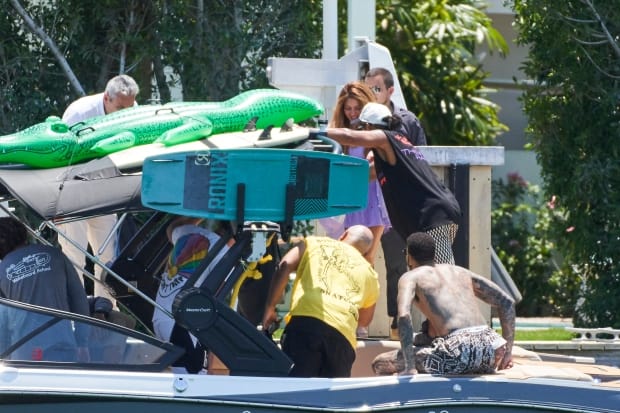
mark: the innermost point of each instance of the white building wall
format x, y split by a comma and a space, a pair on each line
508, 80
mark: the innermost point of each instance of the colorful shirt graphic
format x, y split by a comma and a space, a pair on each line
191, 245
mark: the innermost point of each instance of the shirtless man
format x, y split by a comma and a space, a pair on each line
456, 338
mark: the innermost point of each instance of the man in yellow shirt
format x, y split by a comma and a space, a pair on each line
335, 289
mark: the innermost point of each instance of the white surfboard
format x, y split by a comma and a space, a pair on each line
134, 157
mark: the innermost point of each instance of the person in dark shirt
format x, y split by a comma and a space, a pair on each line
41, 275
381, 82
415, 198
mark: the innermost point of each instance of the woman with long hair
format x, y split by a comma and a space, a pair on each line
351, 99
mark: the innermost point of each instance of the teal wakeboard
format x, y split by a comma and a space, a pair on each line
255, 184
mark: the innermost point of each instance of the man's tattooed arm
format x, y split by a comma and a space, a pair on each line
492, 294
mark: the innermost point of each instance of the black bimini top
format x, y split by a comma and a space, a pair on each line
94, 188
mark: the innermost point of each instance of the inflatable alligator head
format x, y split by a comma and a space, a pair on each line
36, 145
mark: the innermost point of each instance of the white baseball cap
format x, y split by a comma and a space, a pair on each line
375, 114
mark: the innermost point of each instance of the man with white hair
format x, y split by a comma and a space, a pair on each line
120, 93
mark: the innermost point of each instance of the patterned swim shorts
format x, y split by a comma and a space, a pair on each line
465, 351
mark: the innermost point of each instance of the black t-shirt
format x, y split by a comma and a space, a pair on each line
410, 126
415, 198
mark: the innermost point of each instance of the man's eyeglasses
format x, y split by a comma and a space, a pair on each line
376, 89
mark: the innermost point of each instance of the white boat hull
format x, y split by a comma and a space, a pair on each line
53, 390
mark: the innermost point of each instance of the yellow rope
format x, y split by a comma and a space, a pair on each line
251, 271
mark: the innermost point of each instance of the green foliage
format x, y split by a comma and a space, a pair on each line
31, 86
523, 235
218, 51
433, 44
302, 228
574, 126
215, 49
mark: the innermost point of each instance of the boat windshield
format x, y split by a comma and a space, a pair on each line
37, 336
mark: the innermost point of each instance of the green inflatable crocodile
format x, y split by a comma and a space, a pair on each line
53, 143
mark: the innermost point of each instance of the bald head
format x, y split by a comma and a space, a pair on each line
359, 237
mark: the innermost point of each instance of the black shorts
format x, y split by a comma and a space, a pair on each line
317, 349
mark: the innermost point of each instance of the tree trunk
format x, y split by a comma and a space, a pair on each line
41, 34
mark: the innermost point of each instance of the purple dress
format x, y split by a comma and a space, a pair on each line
375, 212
